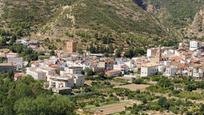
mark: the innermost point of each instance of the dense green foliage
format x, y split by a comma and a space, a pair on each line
27, 53
8, 40
133, 52
27, 97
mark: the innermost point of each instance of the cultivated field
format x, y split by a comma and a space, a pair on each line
115, 108
134, 87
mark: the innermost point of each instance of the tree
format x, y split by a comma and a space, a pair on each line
140, 51
163, 103
165, 83
191, 87
130, 53
202, 108
24, 106
61, 105
88, 72
2, 41
28, 53
138, 81
52, 53
80, 51
2, 59
118, 52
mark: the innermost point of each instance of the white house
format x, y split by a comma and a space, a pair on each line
61, 82
48, 70
79, 79
131, 64
75, 73
148, 71
194, 45
17, 61
53, 59
170, 71
198, 73
36, 74
151, 52
73, 70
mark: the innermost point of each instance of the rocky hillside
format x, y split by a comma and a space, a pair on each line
179, 13
183, 15
126, 21
196, 29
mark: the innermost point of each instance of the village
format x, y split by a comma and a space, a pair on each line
68, 69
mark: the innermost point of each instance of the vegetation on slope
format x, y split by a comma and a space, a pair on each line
178, 12
90, 20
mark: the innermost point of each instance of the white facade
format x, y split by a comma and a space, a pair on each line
148, 71
11, 55
75, 73
131, 64
198, 73
36, 74
170, 71
194, 45
73, 70
152, 52
149, 53
79, 80
49, 71
53, 59
161, 68
17, 61
61, 82
121, 67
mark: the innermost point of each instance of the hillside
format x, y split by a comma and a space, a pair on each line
177, 13
126, 22
196, 29
123, 21
185, 16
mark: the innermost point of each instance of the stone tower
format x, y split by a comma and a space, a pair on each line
70, 46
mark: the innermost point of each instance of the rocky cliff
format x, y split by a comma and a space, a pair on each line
196, 29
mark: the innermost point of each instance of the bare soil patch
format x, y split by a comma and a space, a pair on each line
135, 87
115, 108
